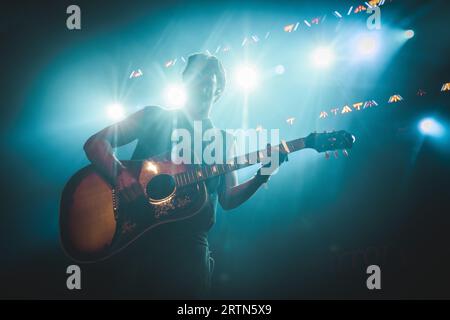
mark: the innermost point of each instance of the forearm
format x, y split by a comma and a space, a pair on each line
239, 194
100, 152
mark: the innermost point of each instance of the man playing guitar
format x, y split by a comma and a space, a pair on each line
174, 261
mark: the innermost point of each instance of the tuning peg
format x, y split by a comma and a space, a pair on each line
327, 155
336, 154
345, 152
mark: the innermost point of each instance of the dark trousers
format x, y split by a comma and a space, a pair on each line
179, 270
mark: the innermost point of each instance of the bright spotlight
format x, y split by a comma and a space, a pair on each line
247, 77
431, 127
175, 96
322, 57
279, 69
367, 45
409, 34
115, 112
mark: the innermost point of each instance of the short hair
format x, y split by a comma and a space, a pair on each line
206, 63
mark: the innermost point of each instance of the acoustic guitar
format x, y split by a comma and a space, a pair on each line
95, 223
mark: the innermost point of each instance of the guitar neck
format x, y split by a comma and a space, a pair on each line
200, 173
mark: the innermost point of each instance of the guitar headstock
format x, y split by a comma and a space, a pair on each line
330, 141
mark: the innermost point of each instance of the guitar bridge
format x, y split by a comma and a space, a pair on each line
115, 203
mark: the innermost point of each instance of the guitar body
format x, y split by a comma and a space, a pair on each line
95, 223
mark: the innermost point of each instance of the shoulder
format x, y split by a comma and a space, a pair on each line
157, 111
150, 114
152, 110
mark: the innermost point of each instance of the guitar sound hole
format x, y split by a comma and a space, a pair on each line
160, 187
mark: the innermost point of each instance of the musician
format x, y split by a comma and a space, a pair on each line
173, 261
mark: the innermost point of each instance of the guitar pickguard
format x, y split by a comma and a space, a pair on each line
164, 208
134, 219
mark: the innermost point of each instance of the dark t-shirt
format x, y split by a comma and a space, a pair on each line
154, 138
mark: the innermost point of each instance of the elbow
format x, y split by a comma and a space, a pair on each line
91, 145
226, 204
227, 208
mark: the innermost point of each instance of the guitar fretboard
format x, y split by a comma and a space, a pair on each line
199, 173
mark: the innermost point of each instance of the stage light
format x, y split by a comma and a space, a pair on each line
115, 112
279, 69
367, 45
409, 34
246, 77
431, 127
322, 57
175, 96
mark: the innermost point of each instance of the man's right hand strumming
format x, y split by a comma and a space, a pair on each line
99, 150
127, 186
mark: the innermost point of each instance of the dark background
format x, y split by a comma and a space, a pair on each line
318, 226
